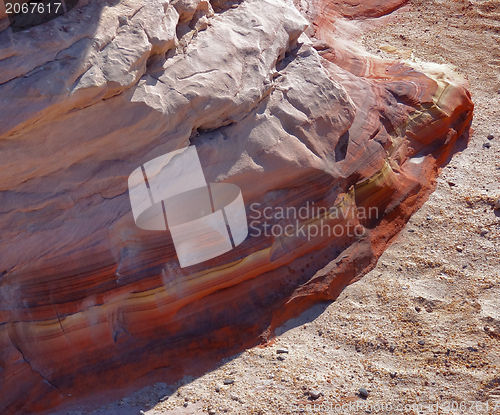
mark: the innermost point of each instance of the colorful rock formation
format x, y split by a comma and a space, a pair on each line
277, 99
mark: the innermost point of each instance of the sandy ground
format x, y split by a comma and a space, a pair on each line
421, 332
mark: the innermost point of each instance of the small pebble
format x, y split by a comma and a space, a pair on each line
490, 137
459, 248
483, 231
421, 342
392, 348
487, 145
363, 393
211, 412
282, 350
217, 389
393, 374
186, 404
281, 358
228, 381
314, 394
234, 397
418, 309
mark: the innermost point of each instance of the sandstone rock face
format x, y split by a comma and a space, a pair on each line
277, 100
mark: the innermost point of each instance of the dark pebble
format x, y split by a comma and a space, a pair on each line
363, 393
418, 309
281, 358
282, 350
497, 204
392, 348
421, 342
393, 374
490, 137
228, 381
487, 145
217, 389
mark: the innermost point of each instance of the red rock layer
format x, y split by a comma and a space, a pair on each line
360, 9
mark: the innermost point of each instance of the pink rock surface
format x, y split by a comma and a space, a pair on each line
89, 302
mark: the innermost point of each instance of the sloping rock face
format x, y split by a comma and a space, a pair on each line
276, 99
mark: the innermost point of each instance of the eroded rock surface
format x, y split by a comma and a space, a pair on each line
276, 98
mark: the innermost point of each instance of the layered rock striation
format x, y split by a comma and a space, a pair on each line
277, 99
